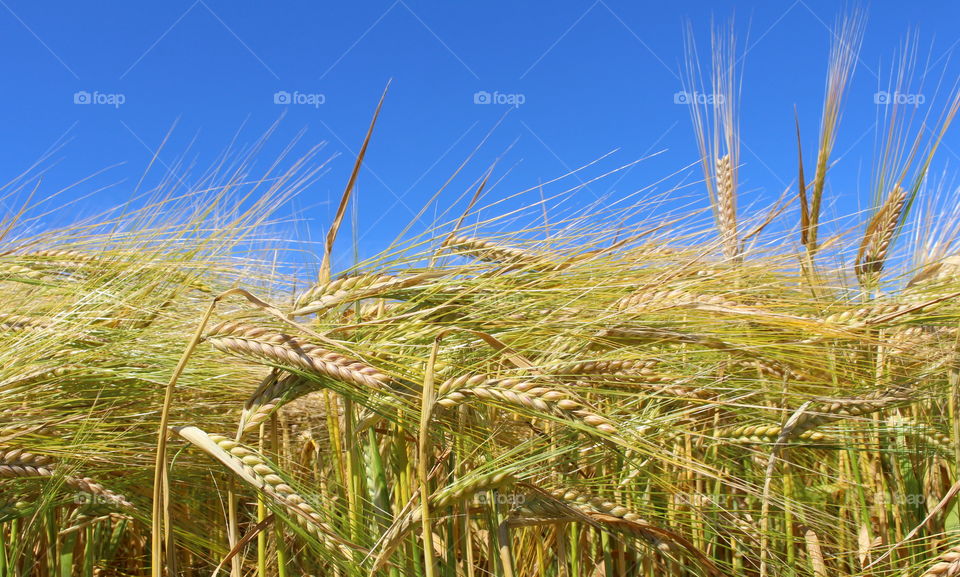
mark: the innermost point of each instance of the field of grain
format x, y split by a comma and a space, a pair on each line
742, 395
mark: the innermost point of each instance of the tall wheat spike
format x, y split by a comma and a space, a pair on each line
880, 232
727, 207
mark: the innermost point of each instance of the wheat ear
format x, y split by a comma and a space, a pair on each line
827, 411
37, 375
880, 231
274, 392
521, 393
13, 508
585, 501
948, 564
16, 270
726, 209
675, 298
492, 251
19, 463
936, 273
252, 468
613, 367
277, 348
641, 334
88, 485
11, 322
764, 434
350, 289
62, 255
441, 499
609, 511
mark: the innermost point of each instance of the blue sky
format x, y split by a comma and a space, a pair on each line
590, 77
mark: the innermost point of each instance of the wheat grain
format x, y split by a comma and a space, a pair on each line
19, 463
948, 564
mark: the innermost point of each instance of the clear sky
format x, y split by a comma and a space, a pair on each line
104, 82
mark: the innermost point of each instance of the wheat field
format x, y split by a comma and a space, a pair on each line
740, 392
